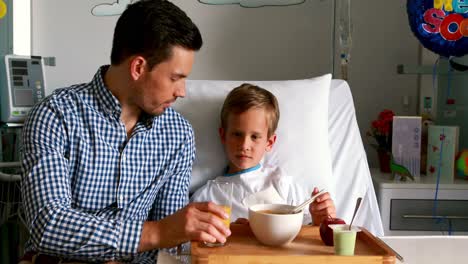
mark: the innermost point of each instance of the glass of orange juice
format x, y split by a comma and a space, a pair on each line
222, 195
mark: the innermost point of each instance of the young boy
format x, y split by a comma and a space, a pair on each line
249, 118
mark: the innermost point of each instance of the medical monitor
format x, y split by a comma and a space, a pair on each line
22, 86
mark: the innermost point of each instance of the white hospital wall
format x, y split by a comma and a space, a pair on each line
269, 43
239, 43
382, 40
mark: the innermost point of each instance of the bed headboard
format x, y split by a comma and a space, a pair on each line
302, 136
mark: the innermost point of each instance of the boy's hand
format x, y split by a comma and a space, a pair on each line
242, 221
322, 207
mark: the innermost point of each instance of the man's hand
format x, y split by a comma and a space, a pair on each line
322, 207
196, 221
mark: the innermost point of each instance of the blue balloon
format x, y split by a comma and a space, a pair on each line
435, 41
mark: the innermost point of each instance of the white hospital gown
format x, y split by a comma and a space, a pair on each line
257, 186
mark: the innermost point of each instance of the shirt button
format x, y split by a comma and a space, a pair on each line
124, 157
121, 198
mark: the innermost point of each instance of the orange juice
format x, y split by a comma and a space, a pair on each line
227, 221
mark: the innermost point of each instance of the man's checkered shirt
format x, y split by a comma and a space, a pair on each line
87, 188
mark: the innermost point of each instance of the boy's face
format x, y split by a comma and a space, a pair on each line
246, 139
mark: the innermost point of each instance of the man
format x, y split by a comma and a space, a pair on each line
107, 164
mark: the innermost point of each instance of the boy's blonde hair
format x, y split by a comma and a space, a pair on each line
248, 96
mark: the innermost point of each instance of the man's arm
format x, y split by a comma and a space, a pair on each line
55, 227
178, 224
196, 221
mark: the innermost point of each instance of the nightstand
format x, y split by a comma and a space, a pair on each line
409, 208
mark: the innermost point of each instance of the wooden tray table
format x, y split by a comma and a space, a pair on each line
307, 247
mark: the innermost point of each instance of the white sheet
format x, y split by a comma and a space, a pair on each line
349, 163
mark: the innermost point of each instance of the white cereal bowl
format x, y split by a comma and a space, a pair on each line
274, 229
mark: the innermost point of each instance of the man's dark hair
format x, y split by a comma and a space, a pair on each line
151, 28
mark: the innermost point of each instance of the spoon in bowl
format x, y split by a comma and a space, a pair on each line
358, 203
299, 208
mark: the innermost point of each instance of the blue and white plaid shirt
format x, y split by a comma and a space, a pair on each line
86, 187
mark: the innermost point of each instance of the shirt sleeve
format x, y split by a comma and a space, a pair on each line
200, 194
55, 227
174, 194
296, 196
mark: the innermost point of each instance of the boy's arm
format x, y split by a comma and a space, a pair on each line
297, 195
322, 207
201, 194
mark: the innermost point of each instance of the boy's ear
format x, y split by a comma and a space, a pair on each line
222, 135
138, 66
271, 142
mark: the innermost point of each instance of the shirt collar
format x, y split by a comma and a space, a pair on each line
256, 167
109, 103
106, 99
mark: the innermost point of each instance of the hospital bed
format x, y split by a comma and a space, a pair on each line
318, 143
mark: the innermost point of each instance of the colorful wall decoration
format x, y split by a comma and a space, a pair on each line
117, 8
113, 9
3, 9
253, 3
440, 25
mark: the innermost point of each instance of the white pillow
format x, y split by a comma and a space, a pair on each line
301, 148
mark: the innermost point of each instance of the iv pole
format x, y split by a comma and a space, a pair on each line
333, 30
342, 11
